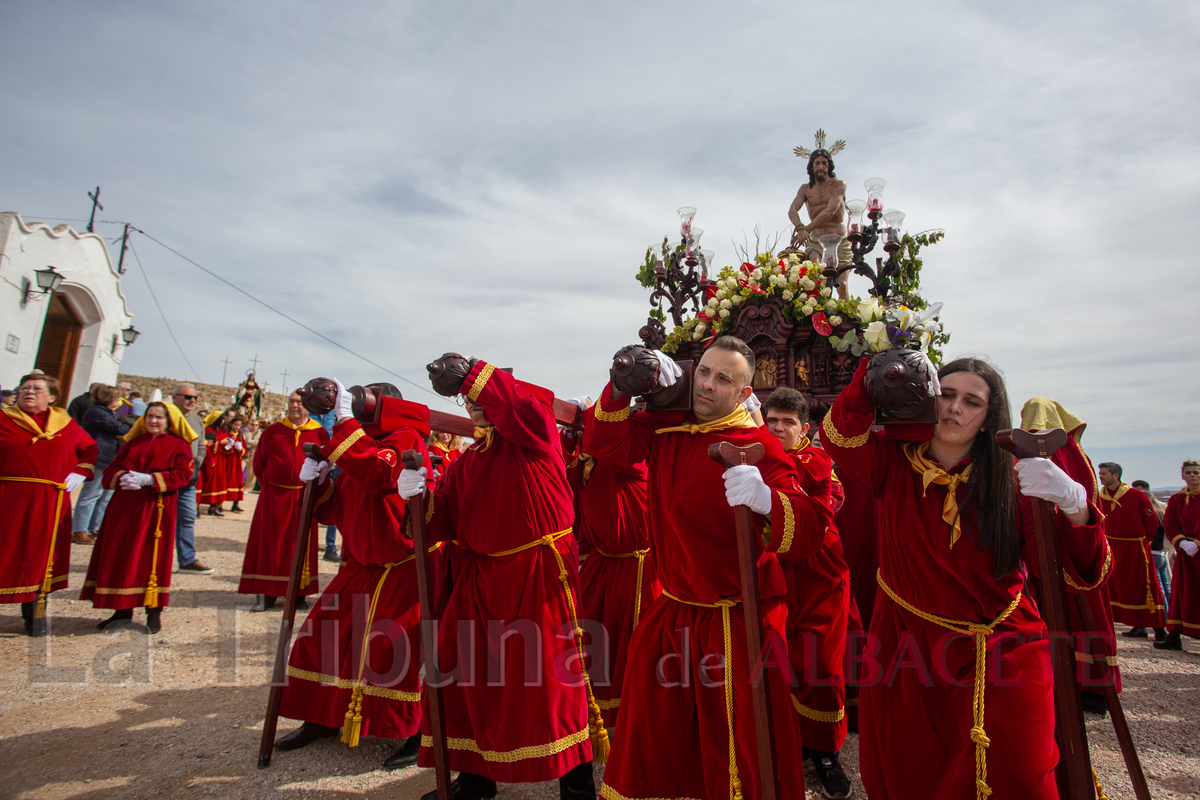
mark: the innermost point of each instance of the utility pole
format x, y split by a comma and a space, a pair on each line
284, 374
226, 362
95, 198
124, 247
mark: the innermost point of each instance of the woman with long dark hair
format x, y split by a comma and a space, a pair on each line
957, 700
131, 562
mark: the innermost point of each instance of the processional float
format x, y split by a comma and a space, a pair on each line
807, 333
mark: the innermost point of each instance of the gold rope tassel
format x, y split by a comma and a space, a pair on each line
599, 736
980, 632
1100, 795
150, 599
352, 726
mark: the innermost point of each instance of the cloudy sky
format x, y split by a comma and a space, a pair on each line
485, 177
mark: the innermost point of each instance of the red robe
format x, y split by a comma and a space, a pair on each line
213, 484
267, 565
516, 703
686, 703
1182, 521
1091, 646
328, 681
36, 455
818, 601
231, 462
617, 580
916, 715
133, 555
1130, 524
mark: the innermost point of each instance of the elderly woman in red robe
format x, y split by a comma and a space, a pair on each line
131, 562
44, 456
958, 696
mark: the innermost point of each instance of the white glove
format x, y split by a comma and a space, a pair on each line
752, 403
744, 487
311, 469
934, 385
341, 406
582, 403
228, 444
1040, 477
237, 446
74, 481
411, 483
135, 480
668, 370
1189, 547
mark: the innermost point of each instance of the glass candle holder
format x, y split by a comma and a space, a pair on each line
854, 219
685, 220
893, 230
874, 187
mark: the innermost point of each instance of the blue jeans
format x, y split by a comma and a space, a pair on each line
185, 524
331, 530
1160, 561
89, 508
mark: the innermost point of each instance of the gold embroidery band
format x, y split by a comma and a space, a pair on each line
481, 380
819, 716
789, 523
832, 435
346, 444
335, 682
611, 416
513, 756
1103, 573
609, 793
1091, 659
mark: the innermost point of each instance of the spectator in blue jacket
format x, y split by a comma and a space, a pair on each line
101, 423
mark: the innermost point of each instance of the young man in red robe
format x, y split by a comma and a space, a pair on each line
617, 579
1182, 523
1092, 646
44, 456
517, 702
687, 725
960, 700
357, 660
818, 600
267, 565
1130, 524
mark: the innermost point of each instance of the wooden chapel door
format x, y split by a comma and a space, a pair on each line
59, 345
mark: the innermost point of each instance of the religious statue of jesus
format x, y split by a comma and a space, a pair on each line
825, 197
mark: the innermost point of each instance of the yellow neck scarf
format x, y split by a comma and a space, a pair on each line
738, 418
486, 435
1121, 490
58, 419
310, 424
933, 472
1188, 494
801, 445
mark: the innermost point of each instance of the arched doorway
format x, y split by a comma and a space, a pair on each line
59, 345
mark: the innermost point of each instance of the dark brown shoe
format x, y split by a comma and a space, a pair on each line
305, 735
82, 537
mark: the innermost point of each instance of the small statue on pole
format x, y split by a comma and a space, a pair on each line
825, 197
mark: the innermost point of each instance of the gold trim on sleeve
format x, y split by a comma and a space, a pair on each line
481, 380
832, 435
789, 523
346, 444
1103, 573
819, 716
160, 481
611, 416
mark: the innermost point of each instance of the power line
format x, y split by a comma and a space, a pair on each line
293, 320
160, 311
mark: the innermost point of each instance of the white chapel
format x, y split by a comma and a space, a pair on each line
61, 306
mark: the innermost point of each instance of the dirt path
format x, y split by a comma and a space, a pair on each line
179, 714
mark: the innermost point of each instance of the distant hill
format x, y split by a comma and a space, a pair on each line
211, 396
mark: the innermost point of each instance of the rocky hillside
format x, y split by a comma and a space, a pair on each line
211, 395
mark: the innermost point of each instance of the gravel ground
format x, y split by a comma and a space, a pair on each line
179, 714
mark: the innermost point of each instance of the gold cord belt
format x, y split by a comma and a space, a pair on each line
980, 632
735, 782
640, 555
599, 736
60, 487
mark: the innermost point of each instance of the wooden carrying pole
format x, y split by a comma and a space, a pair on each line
1133, 764
1074, 773
730, 455
308, 502
437, 712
